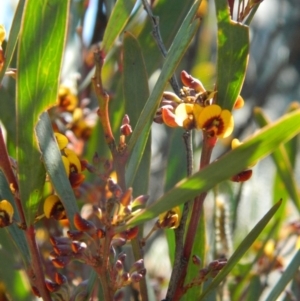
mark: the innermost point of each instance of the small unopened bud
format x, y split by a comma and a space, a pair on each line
51, 286
171, 96
118, 242
242, 176
114, 188
119, 266
78, 247
213, 265
126, 129
61, 262
126, 119
130, 233
239, 103
101, 233
83, 224
203, 273
139, 202
75, 234
191, 82
62, 250
196, 260
137, 266
125, 277
60, 278
122, 257
136, 277
59, 240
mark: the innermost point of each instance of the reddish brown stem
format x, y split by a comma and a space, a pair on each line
11, 179
208, 145
36, 273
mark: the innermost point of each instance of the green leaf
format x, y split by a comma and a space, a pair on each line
117, 22
233, 49
136, 92
285, 278
17, 235
241, 250
259, 145
282, 162
40, 55
13, 37
180, 44
51, 156
171, 16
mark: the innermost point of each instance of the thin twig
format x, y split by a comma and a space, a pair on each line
159, 41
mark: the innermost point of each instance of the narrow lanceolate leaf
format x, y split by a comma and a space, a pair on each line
117, 22
233, 49
241, 250
177, 50
40, 52
17, 235
136, 92
285, 278
51, 157
254, 148
13, 37
282, 162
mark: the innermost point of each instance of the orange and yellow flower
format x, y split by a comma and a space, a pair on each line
215, 121
170, 219
53, 207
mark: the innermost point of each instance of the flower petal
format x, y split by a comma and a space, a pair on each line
208, 113
75, 165
62, 140
6, 213
169, 117
228, 124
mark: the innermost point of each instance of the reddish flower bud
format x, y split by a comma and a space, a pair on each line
191, 82
75, 234
196, 260
126, 119
62, 250
51, 286
60, 262
59, 241
130, 233
60, 278
242, 176
126, 129
136, 277
83, 224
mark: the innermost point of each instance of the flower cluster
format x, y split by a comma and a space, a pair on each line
195, 109
53, 206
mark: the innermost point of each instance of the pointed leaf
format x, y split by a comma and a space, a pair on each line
51, 156
233, 49
13, 37
282, 162
136, 92
285, 278
40, 54
117, 22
